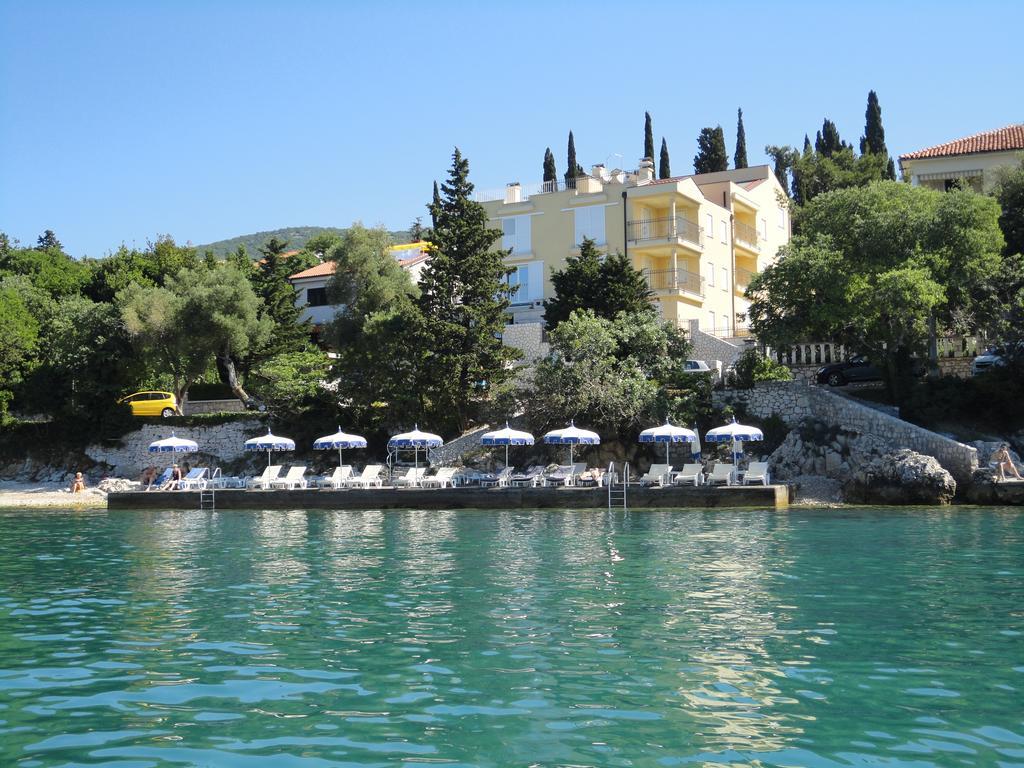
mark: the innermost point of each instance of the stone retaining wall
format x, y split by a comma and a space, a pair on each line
528, 338
795, 401
192, 407
220, 443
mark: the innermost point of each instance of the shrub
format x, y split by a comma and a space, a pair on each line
993, 401
752, 367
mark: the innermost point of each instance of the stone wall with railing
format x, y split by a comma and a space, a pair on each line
794, 402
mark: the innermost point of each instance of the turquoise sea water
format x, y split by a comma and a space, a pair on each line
654, 638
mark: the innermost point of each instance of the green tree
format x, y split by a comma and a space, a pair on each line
18, 344
270, 282
291, 382
612, 374
827, 141
740, 158
783, 160
816, 173
367, 279
200, 316
550, 172
711, 154
604, 285
51, 270
1010, 194
572, 168
464, 299
877, 268
435, 205
48, 242
648, 137
873, 140
664, 165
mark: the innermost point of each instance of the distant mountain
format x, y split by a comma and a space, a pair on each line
295, 236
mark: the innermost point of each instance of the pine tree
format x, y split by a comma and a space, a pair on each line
827, 141
711, 153
648, 137
664, 167
464, 298
740, 158
799, 182
873, 140
48, 241
572, 168
550, 173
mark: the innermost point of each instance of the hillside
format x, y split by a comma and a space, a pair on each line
296, 237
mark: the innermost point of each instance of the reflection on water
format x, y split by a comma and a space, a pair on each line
315, 639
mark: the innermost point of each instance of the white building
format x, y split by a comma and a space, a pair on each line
974, 159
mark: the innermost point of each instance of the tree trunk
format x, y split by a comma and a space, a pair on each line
229, 376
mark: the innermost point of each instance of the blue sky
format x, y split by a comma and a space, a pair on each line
120, 121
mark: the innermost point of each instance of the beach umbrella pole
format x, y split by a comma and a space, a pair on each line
506, 454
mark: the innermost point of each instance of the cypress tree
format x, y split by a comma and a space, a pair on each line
711, 153
648, 137
740, 158
464, 298
572, 168
434, 206
890, 170
873, 140
827, 141
664, 167
550, 174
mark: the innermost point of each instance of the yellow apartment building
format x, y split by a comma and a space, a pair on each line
697, 239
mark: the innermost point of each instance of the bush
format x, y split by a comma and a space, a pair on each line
993, 401
210, 391
752, 367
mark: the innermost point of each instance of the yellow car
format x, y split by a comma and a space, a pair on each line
151, 403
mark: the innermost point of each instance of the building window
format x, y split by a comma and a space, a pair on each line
711, 227
725, 231
590, 223
316, 297
725, 279
515, 234
529, 278
711, 275
782, 218
711, 322
764, 228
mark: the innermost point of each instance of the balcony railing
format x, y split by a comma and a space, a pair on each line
667, 228
747, 235
743, 277
674, 280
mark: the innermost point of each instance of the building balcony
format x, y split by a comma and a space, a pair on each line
746, 237
669, 230
743, 278
671, 280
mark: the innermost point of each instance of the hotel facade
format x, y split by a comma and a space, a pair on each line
697, 239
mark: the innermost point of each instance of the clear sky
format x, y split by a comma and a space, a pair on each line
120, 121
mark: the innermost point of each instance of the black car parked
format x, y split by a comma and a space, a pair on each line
857, 368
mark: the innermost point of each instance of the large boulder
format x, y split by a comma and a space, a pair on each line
900, 477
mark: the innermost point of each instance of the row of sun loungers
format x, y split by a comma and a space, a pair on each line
693, 474
533, 477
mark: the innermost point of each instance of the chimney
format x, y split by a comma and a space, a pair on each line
646, 172
597, 171
513, 193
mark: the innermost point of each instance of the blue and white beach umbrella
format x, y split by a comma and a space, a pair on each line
737, 434
572, 436
270, 442
695, 451
415, 440
668, 433
506, 437
339, 440
174, 444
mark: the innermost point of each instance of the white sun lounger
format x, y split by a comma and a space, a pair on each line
442, 479
757, 472
411, 478
194, 480
336, 479
370, 476
658, 474
263, 481
294, 479
722, 473
691, 474
501, 480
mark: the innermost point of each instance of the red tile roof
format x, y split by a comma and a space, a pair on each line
1005, 139
318, 270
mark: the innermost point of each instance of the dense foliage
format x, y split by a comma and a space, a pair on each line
711, 153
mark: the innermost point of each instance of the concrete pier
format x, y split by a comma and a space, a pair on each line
771, 496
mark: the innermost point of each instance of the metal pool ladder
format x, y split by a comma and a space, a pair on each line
617, 491
208, 495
